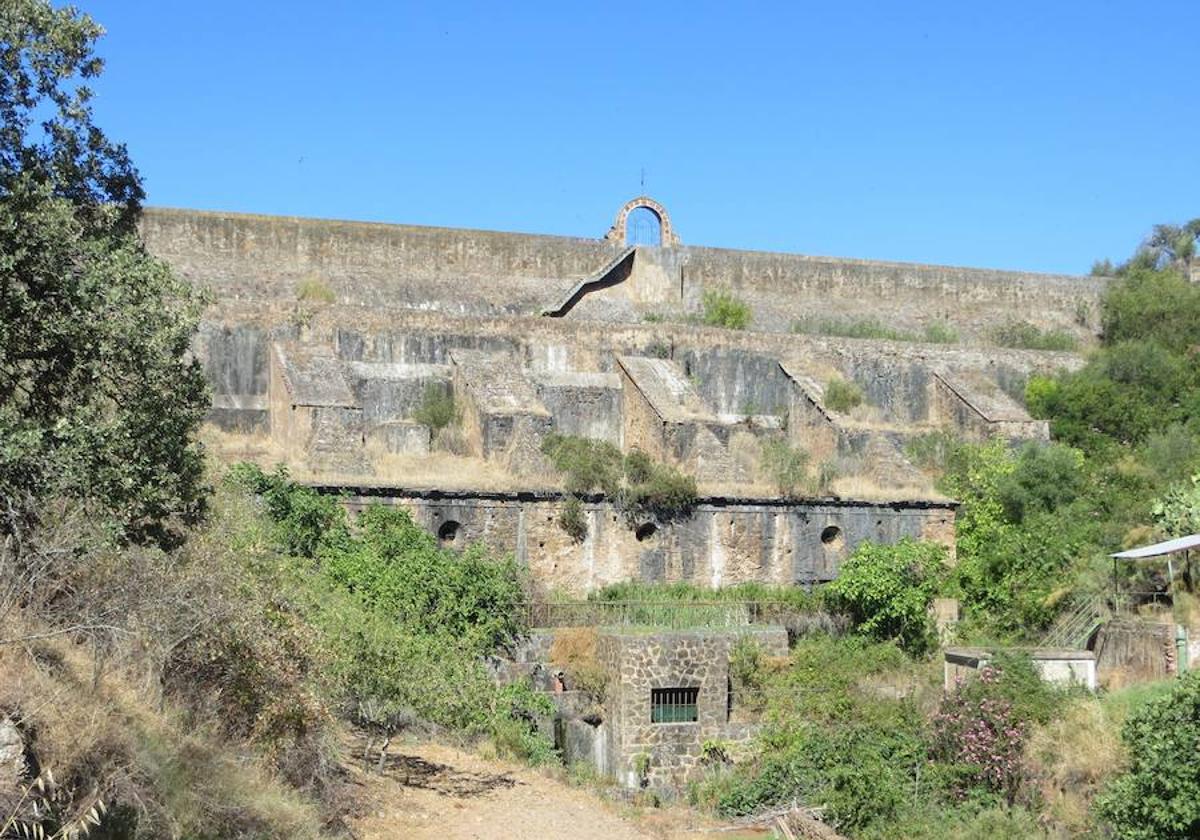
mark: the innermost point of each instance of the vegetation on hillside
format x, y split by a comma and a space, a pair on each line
182, 659
640, 486
842, 395
858, 724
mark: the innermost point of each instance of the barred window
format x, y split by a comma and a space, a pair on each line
673, 705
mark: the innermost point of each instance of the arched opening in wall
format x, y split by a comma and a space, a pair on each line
448, 531
643, 227
831, 537
645, 531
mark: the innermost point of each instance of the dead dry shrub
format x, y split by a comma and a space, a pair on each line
574, 650
452, 440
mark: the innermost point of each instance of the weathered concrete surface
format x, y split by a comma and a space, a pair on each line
1058, 666
246, 258
584, 404
724, 542
502, 414
733, 370
390, 391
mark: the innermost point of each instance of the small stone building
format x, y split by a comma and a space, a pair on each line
669, 692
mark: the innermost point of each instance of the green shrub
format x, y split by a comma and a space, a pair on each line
303, 518
842, 395
657, 490
401, 624
517, 725
1158, 797
639, 486
786, 465
940, 333
1177, 512
1023, 335
438, 408
931, 451
1044, 477
572, 519
395, 566
887, 591
978, 738
722, 309
831, 742
746, 674
587, 464
1173, 454
871, 328
314, 290
1149, 305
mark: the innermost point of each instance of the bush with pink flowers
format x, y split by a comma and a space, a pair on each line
978, 735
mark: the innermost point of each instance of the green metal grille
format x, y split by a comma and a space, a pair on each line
673, 705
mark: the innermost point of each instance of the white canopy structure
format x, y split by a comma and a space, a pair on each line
1175, 546
1179, 545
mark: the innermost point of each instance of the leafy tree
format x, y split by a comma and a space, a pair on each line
1149, 304
1022, 526
397, 567
1170, 246
1158, 797
887, 590
303, 518
1043, 479
99, 399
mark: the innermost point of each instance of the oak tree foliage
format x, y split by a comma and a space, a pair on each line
99, 398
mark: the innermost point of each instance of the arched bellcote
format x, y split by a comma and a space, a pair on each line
618, 232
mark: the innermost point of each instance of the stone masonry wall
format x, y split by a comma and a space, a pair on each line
724, 542
247, 257
641, 661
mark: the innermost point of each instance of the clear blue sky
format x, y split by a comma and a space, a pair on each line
1032, 135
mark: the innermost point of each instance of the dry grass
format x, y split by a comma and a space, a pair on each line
109, 733
436, 470
574, 650
1072, 758
867, 488
446, 471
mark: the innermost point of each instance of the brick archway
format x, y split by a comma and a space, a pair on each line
618, 231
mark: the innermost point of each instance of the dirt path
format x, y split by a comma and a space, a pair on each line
435, 792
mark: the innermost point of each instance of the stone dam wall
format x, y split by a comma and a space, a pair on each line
724, 542
266, 258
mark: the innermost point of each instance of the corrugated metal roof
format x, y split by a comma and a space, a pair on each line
1159, 549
